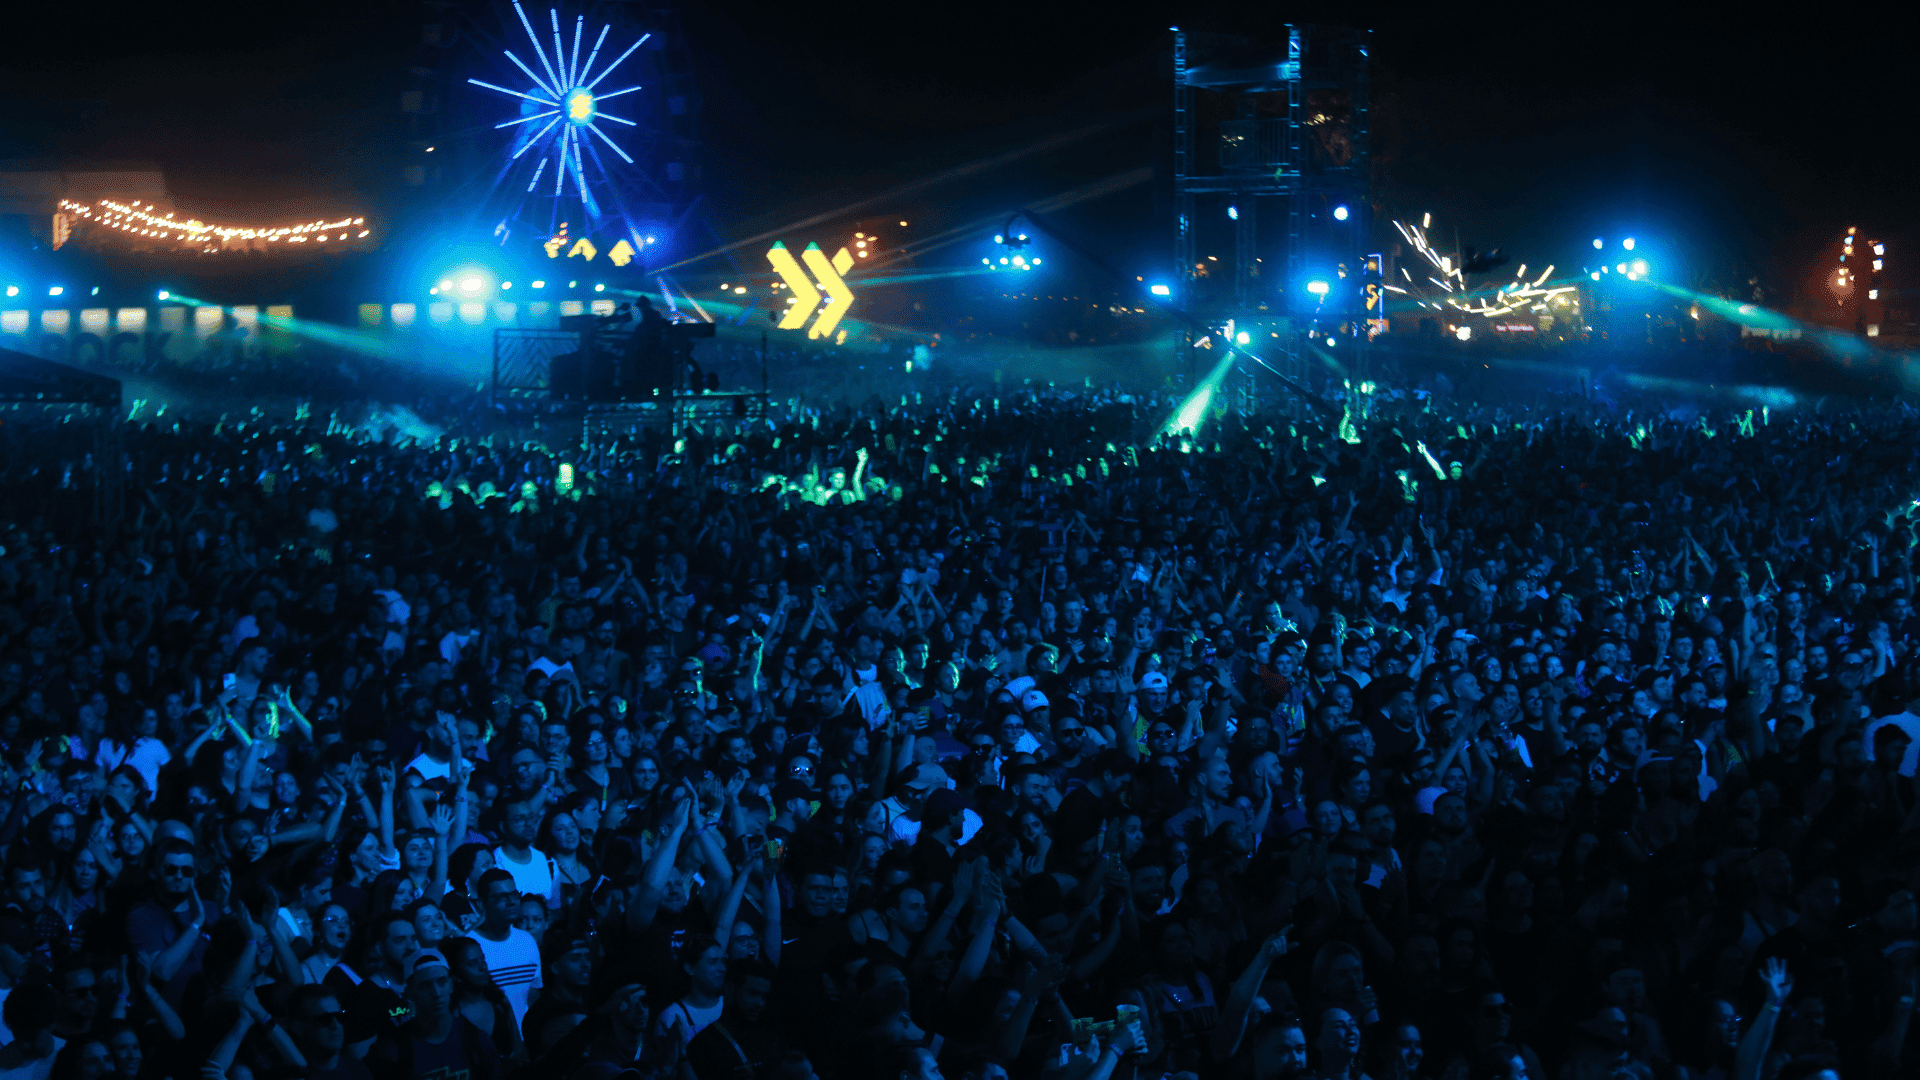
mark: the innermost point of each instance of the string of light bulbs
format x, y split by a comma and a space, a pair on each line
138, 219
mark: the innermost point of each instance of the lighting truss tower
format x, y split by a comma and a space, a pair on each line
1257, 120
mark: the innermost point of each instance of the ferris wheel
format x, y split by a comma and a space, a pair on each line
574, 156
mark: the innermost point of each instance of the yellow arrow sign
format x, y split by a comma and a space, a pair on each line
829, 275
805, 296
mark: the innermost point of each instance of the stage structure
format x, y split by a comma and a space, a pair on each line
622, 372
34, 392
1271, 152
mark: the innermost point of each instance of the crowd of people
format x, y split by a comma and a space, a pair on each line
985, 735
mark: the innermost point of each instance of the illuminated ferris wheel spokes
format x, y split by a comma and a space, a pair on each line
571, 104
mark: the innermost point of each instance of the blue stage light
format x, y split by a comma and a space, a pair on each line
1340, 213
1160, 290
1233, 212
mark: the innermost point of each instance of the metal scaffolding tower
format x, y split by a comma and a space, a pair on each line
1257, 120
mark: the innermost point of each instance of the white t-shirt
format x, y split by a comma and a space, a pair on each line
871, 699
690, 1020
148, 756
430, 769
538, 875
454, 641
514, 966
12, 1068
905, 830
1906, 722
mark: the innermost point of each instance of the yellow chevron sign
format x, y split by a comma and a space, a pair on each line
805, 296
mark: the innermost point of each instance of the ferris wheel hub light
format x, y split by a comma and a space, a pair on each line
579, 105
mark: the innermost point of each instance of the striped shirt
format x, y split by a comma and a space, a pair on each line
514, 966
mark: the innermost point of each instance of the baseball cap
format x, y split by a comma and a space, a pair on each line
788, 790
1153, 680
425, 959
943, 801
926, 777
1424, 799
1031, 700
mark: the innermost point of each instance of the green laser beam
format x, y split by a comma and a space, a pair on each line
1193, 411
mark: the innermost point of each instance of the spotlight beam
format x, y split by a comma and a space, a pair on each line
958, 172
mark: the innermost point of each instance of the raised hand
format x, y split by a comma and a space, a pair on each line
441, 820
1778, 980
964, 876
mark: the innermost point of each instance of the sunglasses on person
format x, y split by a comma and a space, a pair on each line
1071, 732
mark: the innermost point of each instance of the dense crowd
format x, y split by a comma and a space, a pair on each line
972, 736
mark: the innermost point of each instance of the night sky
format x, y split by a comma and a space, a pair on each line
1742, 141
